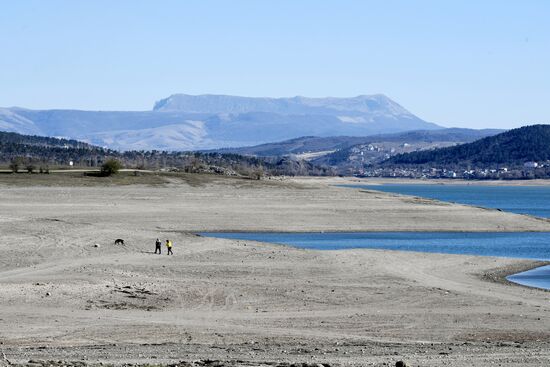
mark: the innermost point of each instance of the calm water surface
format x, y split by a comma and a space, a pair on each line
522, 245
532, 200
538, 278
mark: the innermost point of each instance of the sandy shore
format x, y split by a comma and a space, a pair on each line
62, 298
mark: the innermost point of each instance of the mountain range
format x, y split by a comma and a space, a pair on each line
185, 122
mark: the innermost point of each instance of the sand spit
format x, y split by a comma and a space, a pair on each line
225, 302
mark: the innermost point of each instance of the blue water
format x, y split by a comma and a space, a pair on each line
538, 277
525, 245
533, 200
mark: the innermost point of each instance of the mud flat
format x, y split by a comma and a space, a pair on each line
67, 293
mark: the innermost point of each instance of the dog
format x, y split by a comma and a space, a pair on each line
119, 241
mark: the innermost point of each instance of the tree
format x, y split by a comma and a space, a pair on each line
110, 167
30, 168
15, 164
257, 173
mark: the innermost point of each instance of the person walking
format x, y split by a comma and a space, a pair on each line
158, 246
169, 247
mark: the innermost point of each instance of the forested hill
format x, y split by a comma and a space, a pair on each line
512, 148
48, 150
43, 141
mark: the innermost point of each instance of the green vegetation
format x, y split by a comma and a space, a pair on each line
110, 167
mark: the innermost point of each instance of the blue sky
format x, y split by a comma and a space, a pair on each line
457, 63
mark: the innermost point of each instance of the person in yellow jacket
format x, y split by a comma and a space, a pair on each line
169, 247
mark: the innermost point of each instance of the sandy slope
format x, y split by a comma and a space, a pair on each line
63, 298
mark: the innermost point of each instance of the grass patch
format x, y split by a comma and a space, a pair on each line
68, 178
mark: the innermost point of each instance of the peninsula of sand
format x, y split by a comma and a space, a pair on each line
67, 293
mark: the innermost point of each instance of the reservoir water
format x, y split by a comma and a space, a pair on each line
538, 277
532, 200
521, 245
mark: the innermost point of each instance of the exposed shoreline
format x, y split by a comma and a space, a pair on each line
234, 300
500, 275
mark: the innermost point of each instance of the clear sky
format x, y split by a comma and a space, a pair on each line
457, 63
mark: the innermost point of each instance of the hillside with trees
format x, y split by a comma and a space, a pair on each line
512, 148
25, 152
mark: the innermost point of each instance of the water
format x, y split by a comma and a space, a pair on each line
524, 245
532, 200
538, 277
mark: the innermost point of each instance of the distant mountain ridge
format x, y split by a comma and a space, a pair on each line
184, 122
209, 103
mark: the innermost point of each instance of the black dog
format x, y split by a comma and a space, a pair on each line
119, 241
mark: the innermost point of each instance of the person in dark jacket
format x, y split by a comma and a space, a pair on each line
158, 244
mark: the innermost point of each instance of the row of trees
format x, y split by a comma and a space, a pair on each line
110, 167
27, 164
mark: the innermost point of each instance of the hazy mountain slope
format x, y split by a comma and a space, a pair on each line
10, 120
318, 144
513, 147
75, 122
297, 146
186, 136
183, 122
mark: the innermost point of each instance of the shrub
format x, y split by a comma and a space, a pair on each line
110, 167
